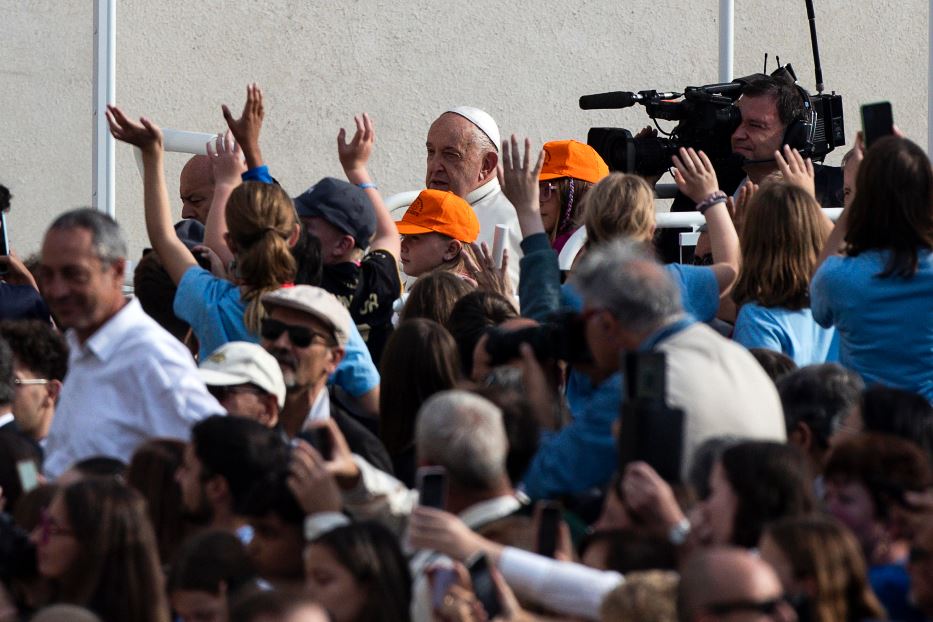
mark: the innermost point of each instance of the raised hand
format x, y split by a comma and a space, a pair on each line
481, 266
146, 135
796, 170
738, 207
443, 532
355, 154
694, 174
16, 272
227, 159
518, 179
313, 486
341, 464
246, 129
650, 497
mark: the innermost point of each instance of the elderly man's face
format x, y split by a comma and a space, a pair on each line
303, 367
196, 187
82, 291
454, 162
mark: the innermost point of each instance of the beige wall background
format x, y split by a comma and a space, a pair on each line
403, 62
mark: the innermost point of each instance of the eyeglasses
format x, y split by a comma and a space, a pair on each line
223, 392
764, 607
25, 382
300, 336
545, 190
48, 527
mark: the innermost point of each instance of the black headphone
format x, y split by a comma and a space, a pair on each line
801, 131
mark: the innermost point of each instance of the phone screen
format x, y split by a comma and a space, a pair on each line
484, 587
28, 475
432, 487
877, 122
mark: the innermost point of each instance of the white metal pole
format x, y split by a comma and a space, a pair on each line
105, 65
930, 81
727, 39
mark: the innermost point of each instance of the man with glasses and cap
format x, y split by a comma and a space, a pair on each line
246, 380
306, 330
463, 155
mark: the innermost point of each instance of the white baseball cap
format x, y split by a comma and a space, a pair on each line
241, 362
314, 301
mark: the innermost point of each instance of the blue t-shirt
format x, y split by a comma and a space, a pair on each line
885, 325
792, 332
699, 291
214, 309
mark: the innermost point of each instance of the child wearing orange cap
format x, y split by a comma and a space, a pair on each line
570, 169
437, 231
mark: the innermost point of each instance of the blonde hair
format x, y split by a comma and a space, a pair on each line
782, 236
649, 596
620, 205
261, 219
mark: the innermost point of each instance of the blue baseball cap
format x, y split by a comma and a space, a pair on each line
343, 205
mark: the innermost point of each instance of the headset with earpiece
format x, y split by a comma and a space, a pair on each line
801, 131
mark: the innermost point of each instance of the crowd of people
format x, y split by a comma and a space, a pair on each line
311, 409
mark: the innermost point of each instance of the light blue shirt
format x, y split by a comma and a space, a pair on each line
885, 325
794, 333
699, 291
214, 309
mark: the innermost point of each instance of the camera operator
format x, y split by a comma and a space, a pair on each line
769, 106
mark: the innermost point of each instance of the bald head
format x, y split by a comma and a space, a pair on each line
196, 187
721, 582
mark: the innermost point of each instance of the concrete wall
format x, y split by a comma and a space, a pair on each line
320, 62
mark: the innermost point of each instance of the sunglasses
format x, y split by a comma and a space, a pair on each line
764, 607
48, 527
300, 336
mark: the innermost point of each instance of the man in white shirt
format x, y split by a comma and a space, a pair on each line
128, 379
463, 155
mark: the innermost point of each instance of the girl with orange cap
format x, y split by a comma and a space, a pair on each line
570, 169
437, 231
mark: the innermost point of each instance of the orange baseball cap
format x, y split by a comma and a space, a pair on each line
569, 158
440, 211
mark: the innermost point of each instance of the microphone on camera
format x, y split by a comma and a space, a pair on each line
622, 99
614, 99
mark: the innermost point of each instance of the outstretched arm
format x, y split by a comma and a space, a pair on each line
696, 178
175, 256
353, 157
228, 164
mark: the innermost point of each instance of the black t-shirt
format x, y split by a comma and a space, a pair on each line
368, 291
